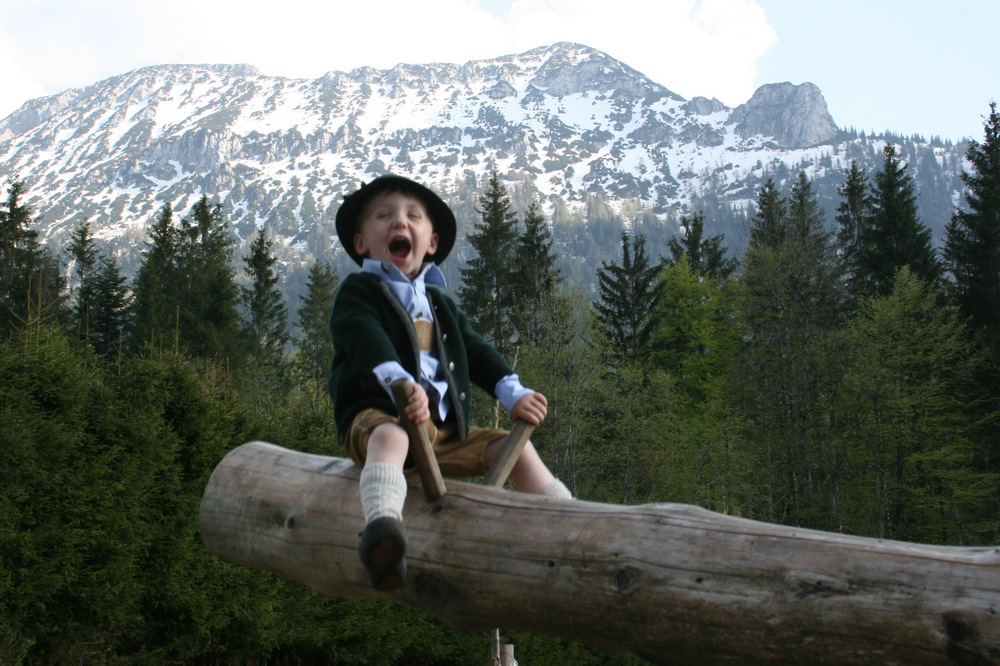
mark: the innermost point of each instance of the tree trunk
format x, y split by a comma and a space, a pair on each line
670, 582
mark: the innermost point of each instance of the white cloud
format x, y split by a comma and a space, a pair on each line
694, 48
19, 84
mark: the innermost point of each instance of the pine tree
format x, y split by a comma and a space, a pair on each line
488, 288
83, 249
157, 286
110, 307
972, 239
208, 301
84, 254
265, 318
853, 215
315, 347
30, 283
538, 278
895, 236
629, 294
706, 256
767, 226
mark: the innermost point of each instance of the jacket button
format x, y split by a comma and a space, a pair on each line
461, 397
451, 366
444, 338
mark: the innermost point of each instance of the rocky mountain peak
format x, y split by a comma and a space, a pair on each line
568, 68
796, 116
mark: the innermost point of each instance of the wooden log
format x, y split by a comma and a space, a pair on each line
671, 582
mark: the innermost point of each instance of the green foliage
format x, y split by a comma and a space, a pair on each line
30, 284
563, 366
103, 476
787, 306
696, 336
907, 391
185, 291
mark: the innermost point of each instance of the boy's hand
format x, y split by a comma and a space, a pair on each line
418, 409
532, 408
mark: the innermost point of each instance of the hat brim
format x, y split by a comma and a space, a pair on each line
354, 203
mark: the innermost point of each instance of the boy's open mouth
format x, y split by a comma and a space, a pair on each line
399, 247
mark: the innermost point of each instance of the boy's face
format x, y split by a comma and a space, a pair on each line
395, 227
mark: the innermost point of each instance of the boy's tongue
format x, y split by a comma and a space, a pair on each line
399, 248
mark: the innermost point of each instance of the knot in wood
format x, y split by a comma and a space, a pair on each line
627, 579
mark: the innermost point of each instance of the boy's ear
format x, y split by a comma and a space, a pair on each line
359, 246
433, 246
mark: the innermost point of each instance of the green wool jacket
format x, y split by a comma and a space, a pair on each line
370, 326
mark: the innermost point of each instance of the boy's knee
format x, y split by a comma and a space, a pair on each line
387, 443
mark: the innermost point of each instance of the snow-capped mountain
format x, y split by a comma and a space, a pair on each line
566, 119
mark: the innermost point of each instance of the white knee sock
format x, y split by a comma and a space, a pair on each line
557, 489
383, 491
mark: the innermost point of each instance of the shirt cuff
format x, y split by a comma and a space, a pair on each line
389, 372
509, 390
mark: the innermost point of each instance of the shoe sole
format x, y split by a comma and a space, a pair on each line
385, 561
382, 550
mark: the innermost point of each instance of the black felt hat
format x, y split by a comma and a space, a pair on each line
439, 212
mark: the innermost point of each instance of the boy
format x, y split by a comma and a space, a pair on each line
391, 321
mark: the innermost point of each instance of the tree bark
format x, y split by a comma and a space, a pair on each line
670, 582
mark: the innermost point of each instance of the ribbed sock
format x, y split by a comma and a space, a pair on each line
383, 491
557, 489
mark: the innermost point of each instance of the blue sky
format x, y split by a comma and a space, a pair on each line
906, 65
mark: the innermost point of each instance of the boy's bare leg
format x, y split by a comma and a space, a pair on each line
383, 493
530, 475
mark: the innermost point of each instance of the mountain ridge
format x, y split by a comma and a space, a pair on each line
567, 121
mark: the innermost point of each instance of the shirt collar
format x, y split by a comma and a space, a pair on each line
429, 274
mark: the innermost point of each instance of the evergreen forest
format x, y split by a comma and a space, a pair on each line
840, 375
